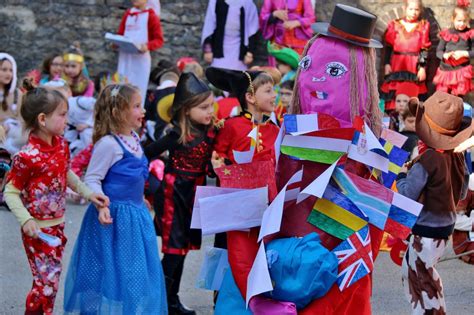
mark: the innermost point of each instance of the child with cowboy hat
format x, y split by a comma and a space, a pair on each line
438, 179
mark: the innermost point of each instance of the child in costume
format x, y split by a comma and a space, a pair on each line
36, 192
229, 33
51, 69
75, 72
190, 143
441, 127
286, 61
11, 138
285, 96
254, 90
287, 23
455, 50
140, 24
115, 266
406, 49
404, 92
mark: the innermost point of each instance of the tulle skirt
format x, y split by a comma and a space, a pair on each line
116, 269
456, 82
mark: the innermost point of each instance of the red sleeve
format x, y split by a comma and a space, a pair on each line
155, 35
390, 34
21, 170
223, 141
425, 36
121, 29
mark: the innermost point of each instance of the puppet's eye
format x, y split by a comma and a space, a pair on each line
305, 62
336, 69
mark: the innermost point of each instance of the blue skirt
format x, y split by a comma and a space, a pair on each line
116, 269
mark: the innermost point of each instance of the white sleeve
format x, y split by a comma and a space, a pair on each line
105, 153
463, 222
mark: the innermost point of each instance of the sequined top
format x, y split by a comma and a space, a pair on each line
190, 159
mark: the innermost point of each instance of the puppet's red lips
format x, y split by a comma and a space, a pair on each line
320, 95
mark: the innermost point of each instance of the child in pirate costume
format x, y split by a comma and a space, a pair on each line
189, 142
439, 180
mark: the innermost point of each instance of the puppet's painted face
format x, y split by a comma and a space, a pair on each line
324, 80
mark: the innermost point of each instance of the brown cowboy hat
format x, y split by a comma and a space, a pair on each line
439, 121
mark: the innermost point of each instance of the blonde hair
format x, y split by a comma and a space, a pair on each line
182, 120
111, 109
194, 67
373, 115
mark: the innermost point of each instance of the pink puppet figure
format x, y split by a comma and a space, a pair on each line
337, 76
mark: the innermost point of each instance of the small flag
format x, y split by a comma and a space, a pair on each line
336, 214
366, 148
397, 157
370, 197
402, 216
355, 258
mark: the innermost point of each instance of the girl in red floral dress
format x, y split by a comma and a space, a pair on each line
407, 42
36, 192
455, 50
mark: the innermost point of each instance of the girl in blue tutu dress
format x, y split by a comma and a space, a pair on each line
115, 267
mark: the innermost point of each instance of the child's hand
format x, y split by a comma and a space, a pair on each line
143, 48
208, 57
31, 228
388, 69
404, 169
104, 216
281, 14
421, 74
148, 204
291, 24
448, 55
99, 200
216, 160
458, 54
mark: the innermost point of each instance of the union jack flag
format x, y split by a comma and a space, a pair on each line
355, 258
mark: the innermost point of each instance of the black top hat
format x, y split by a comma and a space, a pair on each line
236, 82
350, 24
188, 86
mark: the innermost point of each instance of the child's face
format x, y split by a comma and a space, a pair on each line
283, 68
412, 10
6, 72
139, 4
460, 21
401, 103
72, 69
56, 122
285, 97
56, 68
265, 97
136, 113
202, 113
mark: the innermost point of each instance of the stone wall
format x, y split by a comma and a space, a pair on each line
30, 30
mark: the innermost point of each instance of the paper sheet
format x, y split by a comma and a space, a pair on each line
368, 150
242, 157
395, 138
318, 186
272, 216
259, 280
203, 192
233, 211
213, 269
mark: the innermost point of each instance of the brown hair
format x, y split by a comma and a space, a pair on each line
46, 66
183, 121
36, 101
6, 88
262, 79
111, 108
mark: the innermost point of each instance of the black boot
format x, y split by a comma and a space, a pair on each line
173, 269
178, 308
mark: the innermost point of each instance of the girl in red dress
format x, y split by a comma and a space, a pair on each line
407, 43
36, 192
455, 50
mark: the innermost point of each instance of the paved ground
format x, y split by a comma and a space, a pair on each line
15, 278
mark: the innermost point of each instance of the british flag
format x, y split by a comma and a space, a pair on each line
355, 258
